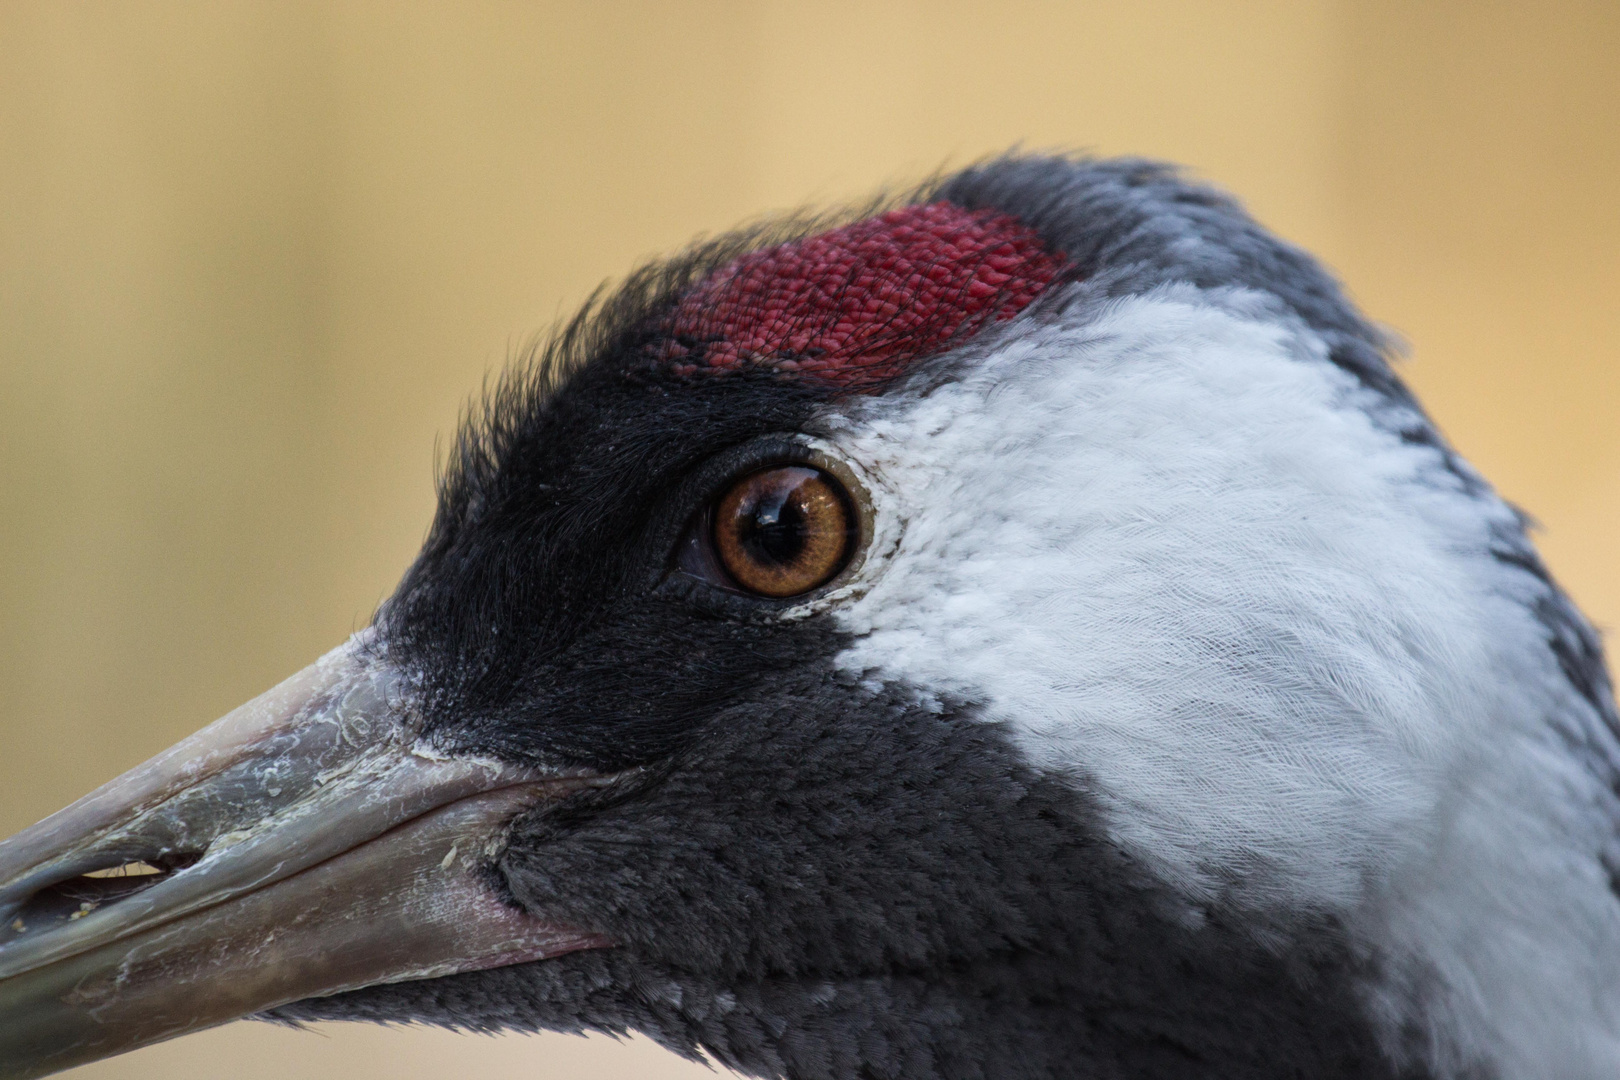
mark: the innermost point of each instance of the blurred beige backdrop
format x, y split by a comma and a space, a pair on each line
254, 257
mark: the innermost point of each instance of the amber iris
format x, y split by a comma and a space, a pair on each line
783, 531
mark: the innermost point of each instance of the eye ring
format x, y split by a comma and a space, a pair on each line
695, 572
783, 530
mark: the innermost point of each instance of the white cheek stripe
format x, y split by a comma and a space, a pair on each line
1172, 548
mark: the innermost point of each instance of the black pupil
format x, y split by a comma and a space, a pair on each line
775, 531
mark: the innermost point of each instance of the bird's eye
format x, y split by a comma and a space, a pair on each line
784, 530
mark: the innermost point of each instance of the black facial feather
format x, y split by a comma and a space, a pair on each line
830, 883
807, 876
538, 623
533, 588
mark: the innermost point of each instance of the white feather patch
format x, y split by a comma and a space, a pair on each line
1187, 562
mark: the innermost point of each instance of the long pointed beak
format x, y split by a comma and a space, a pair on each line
307, 843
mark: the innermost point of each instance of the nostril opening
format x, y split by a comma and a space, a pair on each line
70, 900
139, 868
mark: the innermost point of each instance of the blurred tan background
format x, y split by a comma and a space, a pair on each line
254, 257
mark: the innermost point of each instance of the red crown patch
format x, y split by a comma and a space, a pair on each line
854, 306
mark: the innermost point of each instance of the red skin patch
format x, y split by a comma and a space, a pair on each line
855, 306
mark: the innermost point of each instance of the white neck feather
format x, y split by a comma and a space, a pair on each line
1192, 566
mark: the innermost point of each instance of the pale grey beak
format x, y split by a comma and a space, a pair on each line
307, 843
